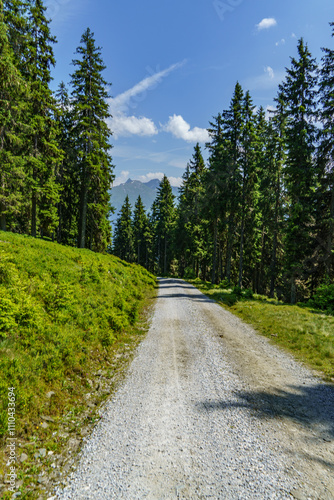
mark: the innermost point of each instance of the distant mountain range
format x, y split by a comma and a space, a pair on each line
146, 190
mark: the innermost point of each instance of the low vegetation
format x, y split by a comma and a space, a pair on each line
68, 320
306, 332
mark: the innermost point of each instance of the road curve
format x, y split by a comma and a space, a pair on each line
209, 410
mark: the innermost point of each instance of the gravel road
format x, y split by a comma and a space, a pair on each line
209, 410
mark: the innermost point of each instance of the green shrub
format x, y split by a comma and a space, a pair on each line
189, 273
237, 291
248, 294
323, 298
230, 299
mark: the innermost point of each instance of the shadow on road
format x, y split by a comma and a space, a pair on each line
167, 283
312, 406
172, 284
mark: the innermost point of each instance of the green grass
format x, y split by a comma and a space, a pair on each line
305, 332
65, 314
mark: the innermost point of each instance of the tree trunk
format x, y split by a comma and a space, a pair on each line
241, 257
293, 291
83, 215
214, 259
258, 284
165, 257
274, 252
273, 266
34, 215
329, 250
229, 249
3, 223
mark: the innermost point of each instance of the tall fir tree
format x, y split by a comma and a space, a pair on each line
67, 178
44, 155
123, 244
271, 199
13, 98
190, 223
163, 214
298, 92
249, 190
90, 113
140, 222
325, 192
16, 19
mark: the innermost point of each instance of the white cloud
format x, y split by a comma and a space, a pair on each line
181, 129
124, 176
121, 123
293, 35
269, 111
280, 42
270, 72
175, 181
120, 179
266, 23
122, 102
151, 175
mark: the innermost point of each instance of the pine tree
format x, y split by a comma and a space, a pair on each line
44, 155
123, 246
271, 199
89, 101
140, 223
224, 180
13, 96
298, 94
189, 238
68, 206
249, 191
16, 19
325, 193
164, 217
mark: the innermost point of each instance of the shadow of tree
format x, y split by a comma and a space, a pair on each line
172, 284
312, 406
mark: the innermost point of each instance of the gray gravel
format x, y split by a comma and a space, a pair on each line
209, 410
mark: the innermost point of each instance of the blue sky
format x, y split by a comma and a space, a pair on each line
173, 66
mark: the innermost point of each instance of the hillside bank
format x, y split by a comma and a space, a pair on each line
69, 320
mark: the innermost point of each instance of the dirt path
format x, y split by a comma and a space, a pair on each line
209, 410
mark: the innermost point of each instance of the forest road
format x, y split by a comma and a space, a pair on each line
209, 410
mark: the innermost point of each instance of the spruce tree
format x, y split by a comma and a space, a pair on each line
67, 178
189, 236
325, 192
13, 97
16, 19
139, 232
298, 94
271, 199
44, 155
249, 190
90, 112
123, 245
164, 217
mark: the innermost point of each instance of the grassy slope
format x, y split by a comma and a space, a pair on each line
65, 314
306, 333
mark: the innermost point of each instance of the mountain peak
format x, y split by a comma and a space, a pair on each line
128, 181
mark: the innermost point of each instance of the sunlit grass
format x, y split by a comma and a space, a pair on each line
65, 314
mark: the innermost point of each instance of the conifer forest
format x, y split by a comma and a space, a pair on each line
257, 215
